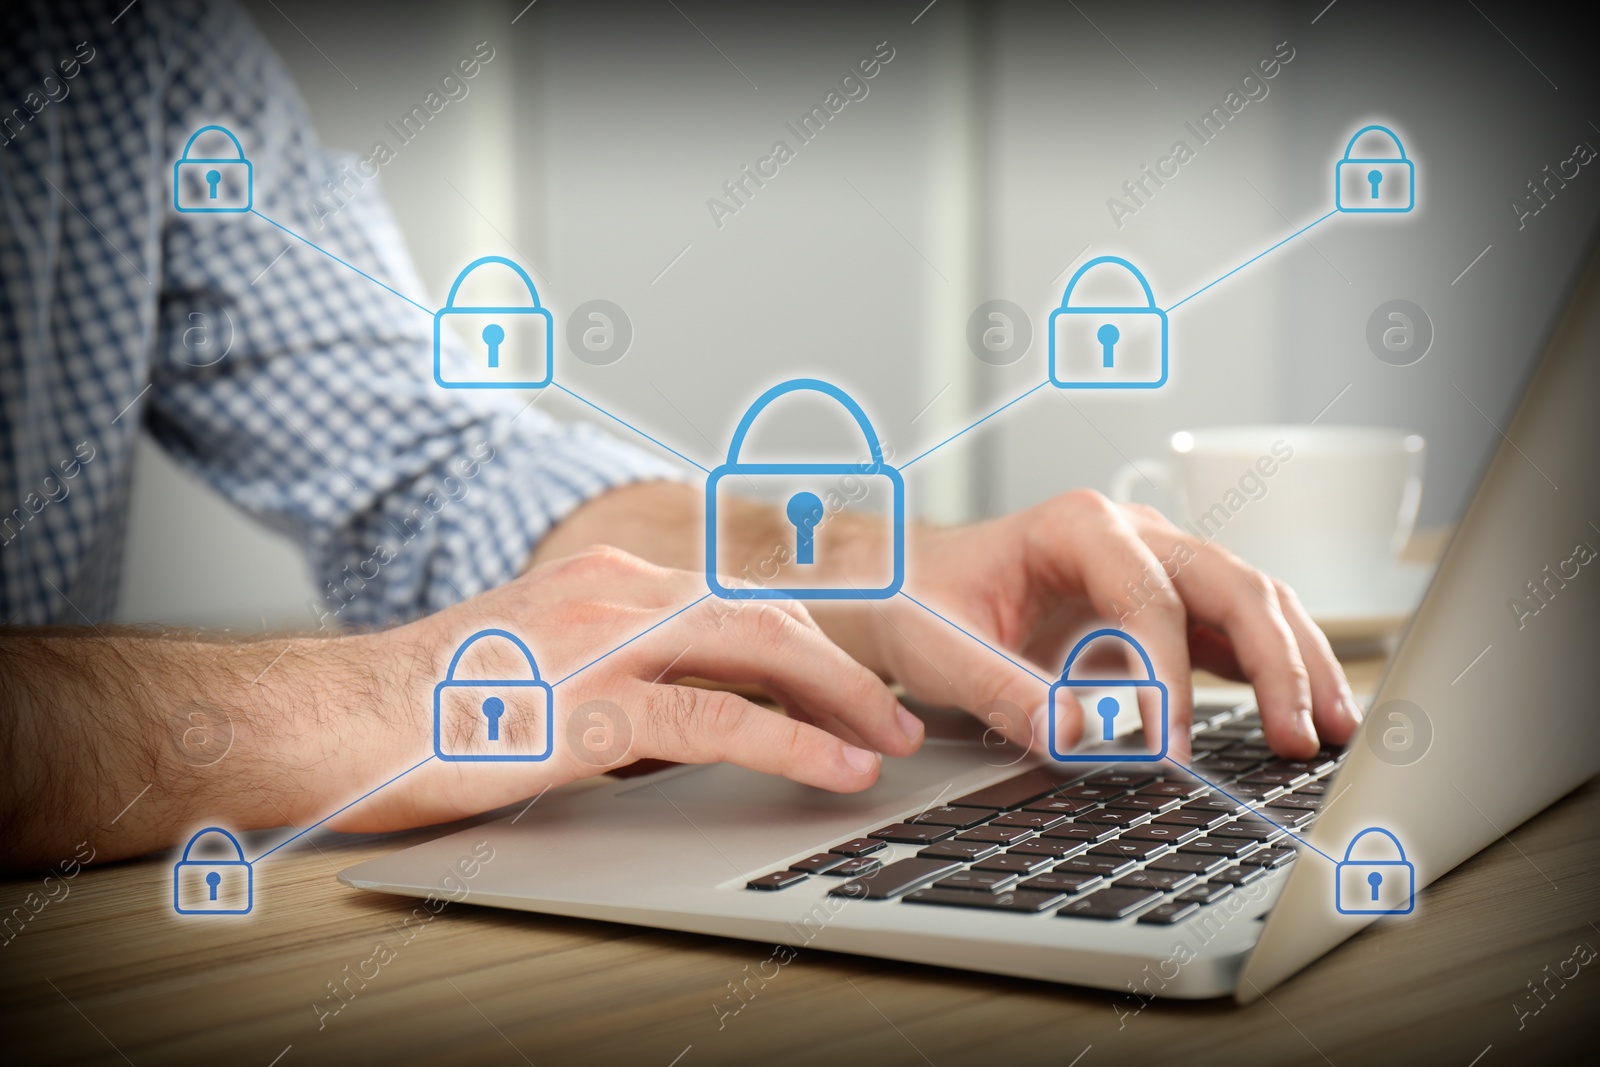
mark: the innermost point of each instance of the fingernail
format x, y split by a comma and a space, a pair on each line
1302, 724
910, 725
859, 759
1351, 708
1040, 722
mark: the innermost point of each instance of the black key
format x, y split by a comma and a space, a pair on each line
776, 880
906, 833
1104, 866
1231, 847
1055, 848
1214, 802
1255, 752
1187, 862
1200, 819
1293, 818
1204, 742
1237, 731
1205, 713
1125, 779
822, 861
965, 851
1029, 820
860, 846
1136, 850
1013, 863
1174, 787
1081, 831
1311, 789
1295, 800
1248, 830
1272, 858
1222, 768
895, 879
1013, 792
1107, 817
1252, 792
1109, 903
1239, 875
1314, 765
1068, 882
1007, 900
1173, 911
856, 867
1153, 805
1287, 779
1172, 835
1162, 881
1208, 893
975, 881
997, 835
1099, 793
960, 818
1055, 805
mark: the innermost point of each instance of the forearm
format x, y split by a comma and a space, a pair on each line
129, 740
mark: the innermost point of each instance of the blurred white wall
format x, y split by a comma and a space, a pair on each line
977, 166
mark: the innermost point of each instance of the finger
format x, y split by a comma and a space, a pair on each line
1091, 545
689, 725
777, 645
1333, 708
795, 710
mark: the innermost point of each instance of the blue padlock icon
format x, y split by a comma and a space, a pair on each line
213, 886
1108, 346
493, 720
1105, 702
811, 490
507, 347
210, 185
1375, 887
1375, 183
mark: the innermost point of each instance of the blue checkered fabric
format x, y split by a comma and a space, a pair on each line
322, 419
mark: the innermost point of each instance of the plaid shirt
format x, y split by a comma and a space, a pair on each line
322, 419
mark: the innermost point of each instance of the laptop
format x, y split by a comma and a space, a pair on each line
1218, 880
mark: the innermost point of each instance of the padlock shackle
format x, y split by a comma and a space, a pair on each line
213, 830
450, 301
450, 672
1066, 297
815, 386
196, 135
1107, 632
1399, 849
1351, 147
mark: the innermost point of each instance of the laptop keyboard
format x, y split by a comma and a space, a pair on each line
1148, 840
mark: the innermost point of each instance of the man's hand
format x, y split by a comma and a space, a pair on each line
1032, 582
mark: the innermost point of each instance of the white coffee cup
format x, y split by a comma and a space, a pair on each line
1327, 509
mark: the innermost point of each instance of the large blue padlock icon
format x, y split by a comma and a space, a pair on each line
508, 347
1375, 183
1105, 703
213, 886
1375, 887
812, 491
213, 184
493, 720
1108, 346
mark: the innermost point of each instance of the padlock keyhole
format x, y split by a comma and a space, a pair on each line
1107, 710
213, 179
805, 511
493, 334
1108, 336
213, 880
1375, 879
493, 708
1376, 178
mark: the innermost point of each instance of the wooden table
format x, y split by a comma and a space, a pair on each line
108, 974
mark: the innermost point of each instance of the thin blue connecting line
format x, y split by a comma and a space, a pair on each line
980, 422
974, 636
630, 426
341, 811
628, 642
1253, 811
1251, 260
336, 259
